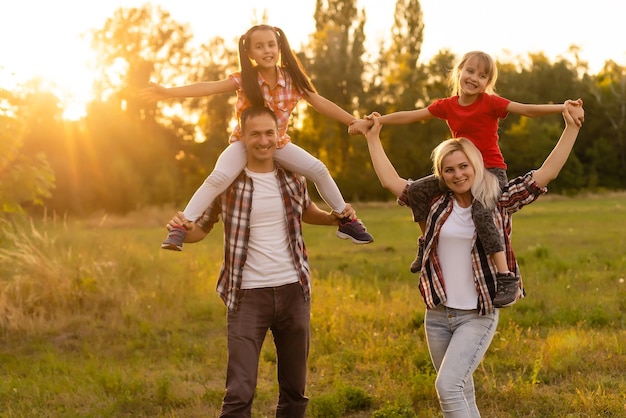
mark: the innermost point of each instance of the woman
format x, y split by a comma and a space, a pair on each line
457, 279
473, 110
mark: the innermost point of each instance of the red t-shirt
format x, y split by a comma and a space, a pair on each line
477, 122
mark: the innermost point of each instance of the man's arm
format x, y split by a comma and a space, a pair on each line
315, 216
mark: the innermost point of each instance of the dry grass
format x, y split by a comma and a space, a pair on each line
97, 321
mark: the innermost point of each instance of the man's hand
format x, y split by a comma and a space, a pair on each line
179, 220
348, 212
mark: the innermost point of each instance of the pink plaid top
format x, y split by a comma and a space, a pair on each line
282, 99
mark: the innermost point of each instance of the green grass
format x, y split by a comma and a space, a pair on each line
97, 321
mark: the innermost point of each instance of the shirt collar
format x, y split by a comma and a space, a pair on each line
280, 78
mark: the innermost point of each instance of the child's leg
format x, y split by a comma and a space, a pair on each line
507, 283
489, 235
296, 159
421, 192
229, 165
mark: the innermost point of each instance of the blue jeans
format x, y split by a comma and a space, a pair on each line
457, 341
286, 313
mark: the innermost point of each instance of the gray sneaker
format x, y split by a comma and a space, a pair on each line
416, 265
354, 230
507, 290
174, 240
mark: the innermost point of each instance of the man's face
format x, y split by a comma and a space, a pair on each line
260, 139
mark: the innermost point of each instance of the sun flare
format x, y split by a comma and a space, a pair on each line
61, 70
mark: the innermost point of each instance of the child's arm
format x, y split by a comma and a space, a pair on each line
156, 92
328, 108
396, 118
535, 110
405, 116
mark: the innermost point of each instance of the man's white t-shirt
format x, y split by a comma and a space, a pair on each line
268, 261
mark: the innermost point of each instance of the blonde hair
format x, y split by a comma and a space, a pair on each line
490, 67
485, 188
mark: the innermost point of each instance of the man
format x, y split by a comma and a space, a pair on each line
265, 277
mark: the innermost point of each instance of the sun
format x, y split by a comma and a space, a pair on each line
73, 80
60, 66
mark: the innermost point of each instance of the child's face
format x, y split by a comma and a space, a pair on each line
473, 78
263, 48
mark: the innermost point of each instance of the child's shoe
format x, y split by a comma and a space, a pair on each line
175, 238
354, 230
416, 265
507, 291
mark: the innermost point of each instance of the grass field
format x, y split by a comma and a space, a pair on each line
97, 321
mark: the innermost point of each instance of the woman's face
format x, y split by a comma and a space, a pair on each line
457, 173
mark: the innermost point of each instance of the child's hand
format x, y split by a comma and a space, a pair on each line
359, 126
579, 118
374, 131
154, 93
574, 115
576, 111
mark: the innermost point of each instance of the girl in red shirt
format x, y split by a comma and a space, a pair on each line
472, 111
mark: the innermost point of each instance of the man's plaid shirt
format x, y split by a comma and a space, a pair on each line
235, 204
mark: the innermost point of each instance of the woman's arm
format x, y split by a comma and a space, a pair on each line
156, 92
328, 108
553, 164
385, 171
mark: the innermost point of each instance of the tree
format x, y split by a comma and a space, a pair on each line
335, 66
607, 147
27, 178
404, 86
134, 158
132, 45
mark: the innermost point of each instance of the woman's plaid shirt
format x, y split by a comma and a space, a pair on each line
518, 193
234, 205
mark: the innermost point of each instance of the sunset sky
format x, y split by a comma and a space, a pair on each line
43, 38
